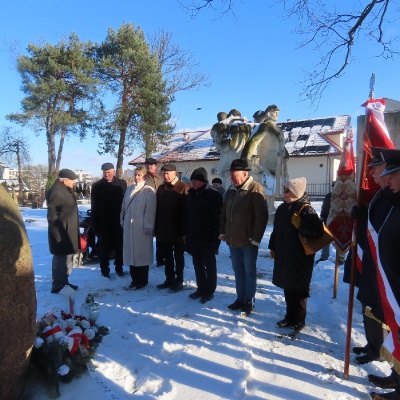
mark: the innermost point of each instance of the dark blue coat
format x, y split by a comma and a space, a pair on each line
203, 207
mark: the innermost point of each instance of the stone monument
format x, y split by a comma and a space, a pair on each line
17, 300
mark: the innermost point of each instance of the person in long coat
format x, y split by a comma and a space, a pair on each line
292, 267
63, 232
138, 214
106, 200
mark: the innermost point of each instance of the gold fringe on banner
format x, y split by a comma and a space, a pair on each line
368, 312
388, 356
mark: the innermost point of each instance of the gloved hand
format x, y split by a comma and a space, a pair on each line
296, 220
254, 243
148, 231
272, 253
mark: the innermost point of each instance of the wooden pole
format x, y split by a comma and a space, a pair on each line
336, 278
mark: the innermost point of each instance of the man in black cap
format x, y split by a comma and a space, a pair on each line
106, 198
388, 255
243, 220
170, 227
203, 210
368, 293
63, 230
217, 185
154, 179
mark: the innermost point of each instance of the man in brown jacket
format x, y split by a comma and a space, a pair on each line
170, 227
243, 220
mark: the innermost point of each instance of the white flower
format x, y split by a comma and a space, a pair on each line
38, 342
63, 370
85, 324
90, 333
70, 323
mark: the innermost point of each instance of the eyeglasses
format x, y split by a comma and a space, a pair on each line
286, 190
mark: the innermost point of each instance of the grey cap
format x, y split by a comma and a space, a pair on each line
68, 174
168, 167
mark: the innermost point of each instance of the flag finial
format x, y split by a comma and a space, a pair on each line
372, 86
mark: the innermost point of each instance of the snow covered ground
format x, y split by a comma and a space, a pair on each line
167, 346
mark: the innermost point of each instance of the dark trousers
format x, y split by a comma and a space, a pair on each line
173, 251
296, 305
160, 259
375, 335
205, 268
108, 241
139, 275
61, 268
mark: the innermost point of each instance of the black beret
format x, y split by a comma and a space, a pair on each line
376, 157
106, 166
68, 174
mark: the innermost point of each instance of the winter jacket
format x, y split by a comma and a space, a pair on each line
170, 215
244, 214
106, 205
138, 212
292, 267
154, 180
62, 216
203, 207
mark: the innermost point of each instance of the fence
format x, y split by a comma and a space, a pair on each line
318, 189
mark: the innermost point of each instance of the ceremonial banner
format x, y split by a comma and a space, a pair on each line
344, 198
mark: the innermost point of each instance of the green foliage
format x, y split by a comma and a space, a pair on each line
141, 111
61, 92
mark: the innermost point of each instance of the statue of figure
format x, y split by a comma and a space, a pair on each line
268, 143
230, 135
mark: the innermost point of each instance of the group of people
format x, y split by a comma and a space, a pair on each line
196, 218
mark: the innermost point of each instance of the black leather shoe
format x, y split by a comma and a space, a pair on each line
176, 287
298, 327
120, 273
206, 297
384, 382
140, 286
132, 285
283, 323
248, 308
385, 396
366, 359
360, 350
164, 285
195, 295
236, 305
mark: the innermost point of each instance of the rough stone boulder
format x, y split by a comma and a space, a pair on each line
17, 299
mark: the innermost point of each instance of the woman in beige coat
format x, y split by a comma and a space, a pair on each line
138, 214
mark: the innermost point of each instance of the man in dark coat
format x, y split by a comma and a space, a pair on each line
292, 267
388, 254
106, 199
203, 206
170, 226
368, 293
63, 230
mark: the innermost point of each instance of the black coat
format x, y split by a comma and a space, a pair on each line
106, 204
389, 247
203, 207
368, 292
292, 267
62, 216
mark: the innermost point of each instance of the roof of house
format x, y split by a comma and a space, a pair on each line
307, 137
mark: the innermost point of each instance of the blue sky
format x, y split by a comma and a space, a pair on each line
252, 59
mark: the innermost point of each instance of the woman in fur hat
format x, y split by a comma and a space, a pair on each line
292, 267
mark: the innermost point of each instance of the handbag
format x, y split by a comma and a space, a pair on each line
310, 244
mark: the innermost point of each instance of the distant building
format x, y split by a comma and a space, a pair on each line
314, 147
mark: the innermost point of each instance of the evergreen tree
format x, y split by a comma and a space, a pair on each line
141, 113
60, 91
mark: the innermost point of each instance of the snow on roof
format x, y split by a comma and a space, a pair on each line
306, 137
